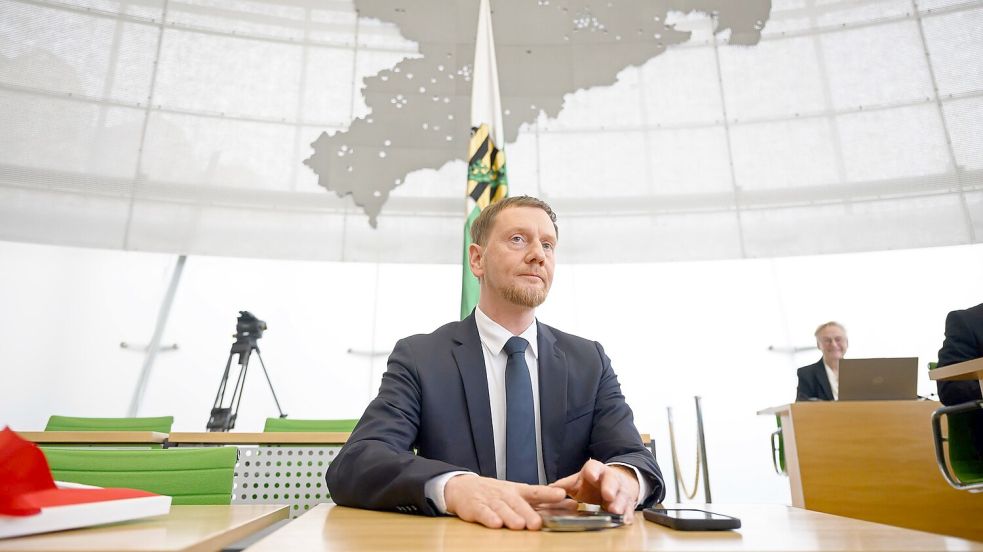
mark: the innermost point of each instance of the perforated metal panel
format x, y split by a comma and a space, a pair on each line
292, 475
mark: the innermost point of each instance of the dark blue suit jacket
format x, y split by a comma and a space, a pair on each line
434, 398
814, 383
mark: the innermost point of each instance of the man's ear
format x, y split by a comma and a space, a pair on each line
476, 260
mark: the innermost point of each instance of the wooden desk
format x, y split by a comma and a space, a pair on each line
189, 528
259, 438
969, 370
963, 371
94, 437
764, 527
873, 460
270, 438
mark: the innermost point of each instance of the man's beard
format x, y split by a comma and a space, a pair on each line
525, 297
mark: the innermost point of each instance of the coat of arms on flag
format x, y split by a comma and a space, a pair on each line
487, 181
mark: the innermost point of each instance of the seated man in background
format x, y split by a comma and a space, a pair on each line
499, 404
821, 380
963, 341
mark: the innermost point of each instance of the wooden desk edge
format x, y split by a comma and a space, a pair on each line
969, 370
223, 539
274, 438
316, 526
775, 410
259, 438
199, 437
107, 437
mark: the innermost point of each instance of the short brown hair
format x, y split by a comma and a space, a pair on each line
826, 325
482, 225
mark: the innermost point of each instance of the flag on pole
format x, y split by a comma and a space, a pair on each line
487, 181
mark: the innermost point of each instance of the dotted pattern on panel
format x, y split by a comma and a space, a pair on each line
283, 475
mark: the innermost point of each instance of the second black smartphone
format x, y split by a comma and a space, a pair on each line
691, 520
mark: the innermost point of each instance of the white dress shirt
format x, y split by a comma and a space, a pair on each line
834, 381
493, 337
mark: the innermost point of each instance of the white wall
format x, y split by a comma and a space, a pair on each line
673, 330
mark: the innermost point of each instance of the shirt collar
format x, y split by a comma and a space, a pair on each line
494, 336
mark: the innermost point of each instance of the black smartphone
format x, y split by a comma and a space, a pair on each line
578, 520
691, 520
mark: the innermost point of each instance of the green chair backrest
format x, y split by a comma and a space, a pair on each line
781, 445
160, 424
778, 448
190, 476
335, 426
963, 457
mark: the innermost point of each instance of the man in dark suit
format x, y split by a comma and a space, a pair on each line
963, 341
498, 404
821, 380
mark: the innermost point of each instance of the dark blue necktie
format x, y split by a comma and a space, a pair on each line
520, 420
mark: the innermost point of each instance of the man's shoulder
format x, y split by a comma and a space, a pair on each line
811, 367
975, 313
564, 337
569, 342
448, 332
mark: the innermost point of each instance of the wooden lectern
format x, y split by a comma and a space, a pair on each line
873, 460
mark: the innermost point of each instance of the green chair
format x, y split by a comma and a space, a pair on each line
161, 424
778, 448
332, 426
189, 476
959, 461
963, 467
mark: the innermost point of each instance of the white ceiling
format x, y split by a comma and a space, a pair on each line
659, 130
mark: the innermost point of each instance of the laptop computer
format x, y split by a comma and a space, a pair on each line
878, 379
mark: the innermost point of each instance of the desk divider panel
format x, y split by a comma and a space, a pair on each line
278, 474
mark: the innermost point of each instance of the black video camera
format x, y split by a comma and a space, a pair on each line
248, 326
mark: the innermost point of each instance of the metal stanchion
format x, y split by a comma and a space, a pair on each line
702, 471
702, 443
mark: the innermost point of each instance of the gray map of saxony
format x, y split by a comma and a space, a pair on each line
420, 108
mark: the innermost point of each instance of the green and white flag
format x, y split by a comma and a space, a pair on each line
487, 181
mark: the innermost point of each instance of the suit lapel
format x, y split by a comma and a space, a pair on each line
471, 365
552, 398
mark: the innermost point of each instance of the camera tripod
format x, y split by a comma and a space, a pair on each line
248, 330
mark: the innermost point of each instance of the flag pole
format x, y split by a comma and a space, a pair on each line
487, 180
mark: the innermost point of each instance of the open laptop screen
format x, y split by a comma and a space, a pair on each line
878, 379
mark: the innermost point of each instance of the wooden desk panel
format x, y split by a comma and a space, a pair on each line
185, 528
257, 438
874, 460
969, 370
764, 527
272, 438
93, 437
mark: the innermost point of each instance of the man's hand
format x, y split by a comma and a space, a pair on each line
495, 503
615, 488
